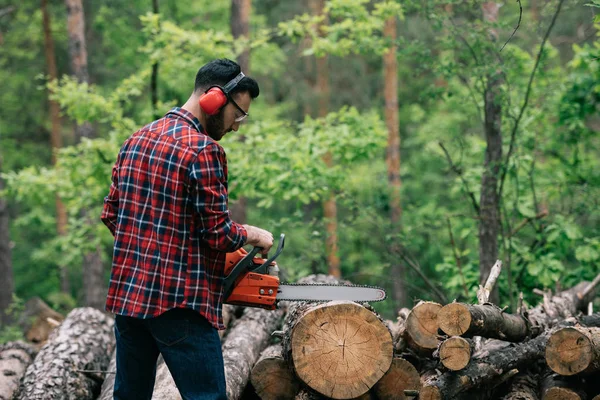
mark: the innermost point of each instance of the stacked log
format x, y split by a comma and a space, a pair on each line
67, 365
14, 359
344, 350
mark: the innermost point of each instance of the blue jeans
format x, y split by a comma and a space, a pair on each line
189, 345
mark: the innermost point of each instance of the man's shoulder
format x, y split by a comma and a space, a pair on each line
179, 131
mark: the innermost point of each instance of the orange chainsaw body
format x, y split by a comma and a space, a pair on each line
251, 289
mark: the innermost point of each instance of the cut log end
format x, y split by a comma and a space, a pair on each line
557, 393
455, 353
568, 351
430, 393
422, 325
454, 319
401, 376
272, 378
341, 349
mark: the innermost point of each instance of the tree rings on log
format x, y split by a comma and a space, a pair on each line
430, 393
341, 349
271, 376
455, 353
573, 350
557, 393
401, 376
422, 325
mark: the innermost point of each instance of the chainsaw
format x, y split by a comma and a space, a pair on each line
254, 282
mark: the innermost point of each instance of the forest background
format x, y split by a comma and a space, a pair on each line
401, 144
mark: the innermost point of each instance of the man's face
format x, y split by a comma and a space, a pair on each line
224, 121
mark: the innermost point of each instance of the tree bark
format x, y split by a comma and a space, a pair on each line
398, 330
14, 359
523, 387
340, 349
84, 341
6, 269
322, 88
55, 134
243, 345
489, 222
401, 376
154, 75
487, 320
574, 350
422, 326
272, 378
94, 284
392, 158
487, 370
557, 387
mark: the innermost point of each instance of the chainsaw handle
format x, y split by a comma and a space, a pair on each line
245, 264
238, 269
263, 268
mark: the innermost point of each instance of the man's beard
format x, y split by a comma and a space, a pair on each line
215, 126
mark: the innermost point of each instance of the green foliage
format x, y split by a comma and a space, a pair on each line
12, 332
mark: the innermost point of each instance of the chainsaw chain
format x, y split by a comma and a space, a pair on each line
333, 285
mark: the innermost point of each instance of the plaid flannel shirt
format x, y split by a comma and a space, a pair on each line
168, 210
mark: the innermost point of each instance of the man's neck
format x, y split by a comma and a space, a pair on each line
192, 106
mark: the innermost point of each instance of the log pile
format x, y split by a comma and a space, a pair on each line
345, 350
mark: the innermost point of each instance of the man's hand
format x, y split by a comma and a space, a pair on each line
259, 238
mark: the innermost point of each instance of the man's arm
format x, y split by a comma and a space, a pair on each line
208, 190
111, 202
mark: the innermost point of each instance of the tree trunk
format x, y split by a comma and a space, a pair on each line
323, 91
78, 54
154, 75
94, 284
240, 27
243, 345
401, 376
422, 327
6, 269
272, 378
489, 223
14, 359
340, 349
574, 350
55, 133
84, 341
390, 92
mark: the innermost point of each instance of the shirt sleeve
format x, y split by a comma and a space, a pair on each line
111, 202
208, 189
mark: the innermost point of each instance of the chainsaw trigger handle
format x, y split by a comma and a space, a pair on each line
263, 268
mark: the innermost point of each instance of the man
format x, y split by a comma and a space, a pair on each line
168, 210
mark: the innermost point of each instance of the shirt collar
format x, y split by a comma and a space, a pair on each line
188, 116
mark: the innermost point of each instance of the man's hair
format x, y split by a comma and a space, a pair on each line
221, 71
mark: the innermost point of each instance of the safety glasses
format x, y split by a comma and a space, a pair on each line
244, 113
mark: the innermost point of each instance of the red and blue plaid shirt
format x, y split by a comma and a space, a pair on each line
168, 210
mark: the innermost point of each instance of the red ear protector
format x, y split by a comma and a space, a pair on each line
216, 96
